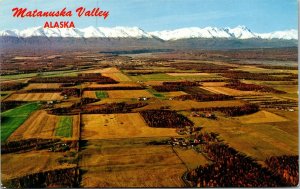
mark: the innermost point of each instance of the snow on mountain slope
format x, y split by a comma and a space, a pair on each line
239, 32
288, 34
124, 32
185, 33
13, 33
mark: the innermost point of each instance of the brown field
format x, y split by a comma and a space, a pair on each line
188, 74
112, 72
41, 125
191, 158
109, 70
35, 96
174, 93
229, 91
118, 76
286, 88
106, 126
42, 86
127, 84
188, 104
254, 69
64, 104
128, 94
130, 165
109, 100
153, 83
261, 117
26, 57
19, 164
89, 94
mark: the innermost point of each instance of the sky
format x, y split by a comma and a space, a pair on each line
153, 15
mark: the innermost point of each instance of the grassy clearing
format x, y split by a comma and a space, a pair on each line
261, 117
130, 125
101, 94
13, 164
158, 95
130, 163
12, 119
64, 127
191, 158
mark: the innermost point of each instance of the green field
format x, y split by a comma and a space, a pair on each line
156, 94
154, 77
12, 119
101, 94
64, 126
59, 73
166, 77
17, 76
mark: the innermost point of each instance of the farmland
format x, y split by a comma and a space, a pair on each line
43, 125
107, 126
35, 97
101, 94
128, 94
130, 163
64, 127
12, 119
171, 119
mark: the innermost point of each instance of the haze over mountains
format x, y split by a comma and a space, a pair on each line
239, 32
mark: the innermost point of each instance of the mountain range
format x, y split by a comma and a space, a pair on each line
239, 32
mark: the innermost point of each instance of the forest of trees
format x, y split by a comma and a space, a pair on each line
236, 84
205, 97
285, 166
58, 178
74, 79
165, 119
12, 86
233, 110
230, 168
255, 76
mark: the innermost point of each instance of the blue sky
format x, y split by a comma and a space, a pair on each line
152, 15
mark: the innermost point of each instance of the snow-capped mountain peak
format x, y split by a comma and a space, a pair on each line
239, 32
287, 34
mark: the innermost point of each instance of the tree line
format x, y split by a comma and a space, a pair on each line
74, 79
12, 86
236, 84
204, 97
233, 110
230, 168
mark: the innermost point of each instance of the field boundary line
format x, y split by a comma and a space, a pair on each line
7, 96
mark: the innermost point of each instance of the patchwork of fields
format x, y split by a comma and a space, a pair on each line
120, 131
